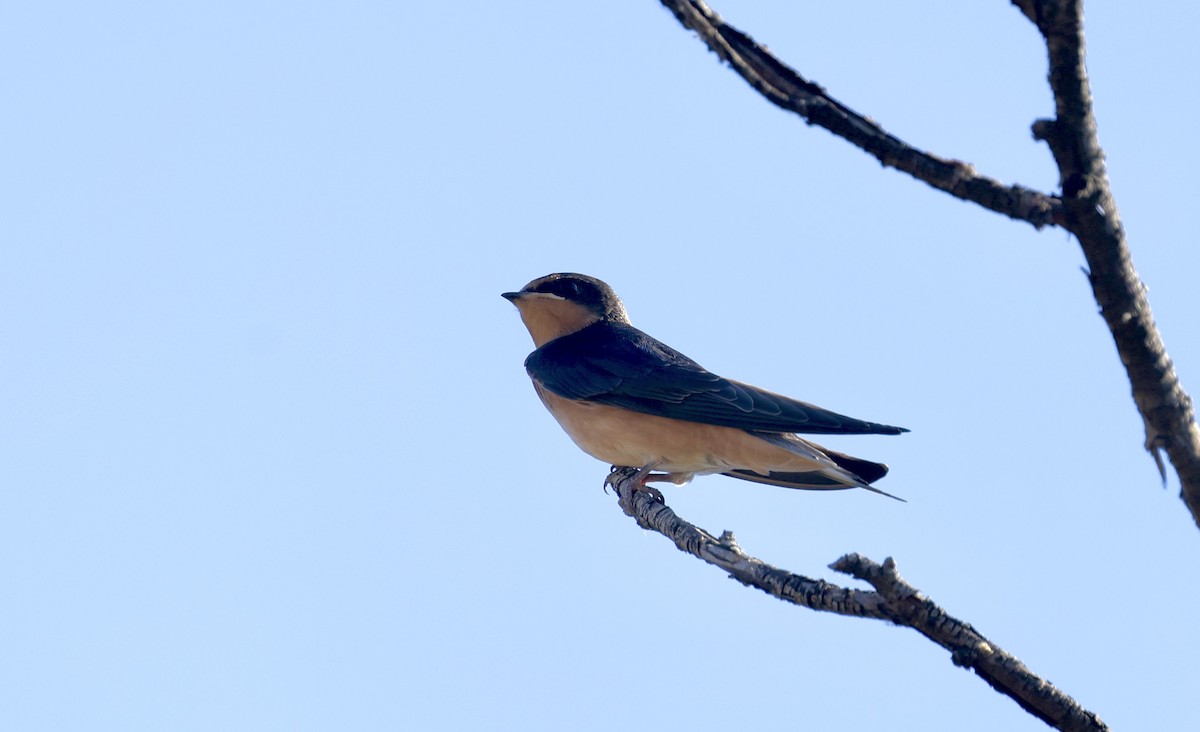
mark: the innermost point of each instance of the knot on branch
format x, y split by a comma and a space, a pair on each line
971, 655
885, 578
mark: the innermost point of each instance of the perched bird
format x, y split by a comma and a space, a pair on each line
635, 402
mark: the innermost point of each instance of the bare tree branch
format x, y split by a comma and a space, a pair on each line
787, 89
893, 600
1087, 208
1090, 213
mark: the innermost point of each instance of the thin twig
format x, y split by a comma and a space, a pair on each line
784, 87
893, 600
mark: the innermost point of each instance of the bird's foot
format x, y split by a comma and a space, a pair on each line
654, 493
637, 477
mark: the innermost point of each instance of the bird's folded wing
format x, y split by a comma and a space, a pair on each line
619, 365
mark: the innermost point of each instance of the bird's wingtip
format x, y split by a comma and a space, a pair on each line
873, 489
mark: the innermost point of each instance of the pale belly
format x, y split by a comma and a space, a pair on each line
629, 439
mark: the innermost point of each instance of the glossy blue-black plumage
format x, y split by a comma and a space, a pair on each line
616, 364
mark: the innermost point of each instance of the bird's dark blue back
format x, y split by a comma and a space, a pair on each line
616, 364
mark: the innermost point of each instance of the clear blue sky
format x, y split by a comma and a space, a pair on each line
269, 459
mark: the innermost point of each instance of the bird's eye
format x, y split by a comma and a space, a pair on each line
570, 289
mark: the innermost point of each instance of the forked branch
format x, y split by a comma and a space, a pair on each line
1090, 213
1086, 208
893, 600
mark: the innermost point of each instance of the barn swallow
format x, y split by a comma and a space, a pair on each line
634, 402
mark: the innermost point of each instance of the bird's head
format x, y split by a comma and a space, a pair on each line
560, 304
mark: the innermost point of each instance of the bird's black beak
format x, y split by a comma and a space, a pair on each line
511, 296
